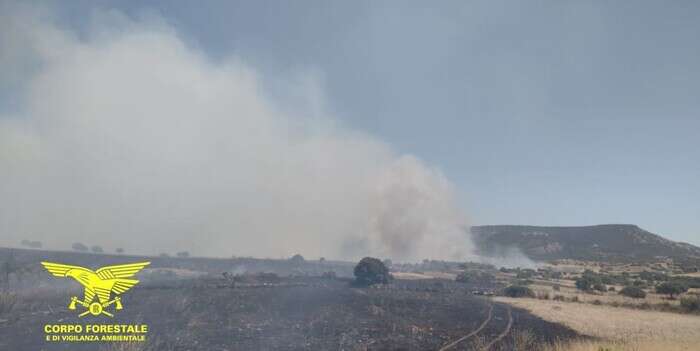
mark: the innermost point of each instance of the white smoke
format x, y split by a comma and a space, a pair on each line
127, 137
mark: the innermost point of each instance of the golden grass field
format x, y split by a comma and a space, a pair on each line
621, 329
568, 290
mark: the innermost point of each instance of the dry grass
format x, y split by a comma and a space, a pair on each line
424, 275
692, 275
569, 291
648, 345
616, 324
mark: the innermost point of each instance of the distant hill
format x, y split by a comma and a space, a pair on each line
609, 242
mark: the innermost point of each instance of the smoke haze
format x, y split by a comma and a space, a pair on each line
127, 137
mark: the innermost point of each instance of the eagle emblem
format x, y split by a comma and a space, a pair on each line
101, 283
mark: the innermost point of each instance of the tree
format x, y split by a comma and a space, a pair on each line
96, 249
119, 250
79, 247
671, 289
388, 263
183, 254
584, 283
31, 244
633, 292
371, 271
297, 259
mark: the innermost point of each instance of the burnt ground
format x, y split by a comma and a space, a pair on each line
290, 314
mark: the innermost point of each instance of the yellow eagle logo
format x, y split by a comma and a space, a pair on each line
102, 282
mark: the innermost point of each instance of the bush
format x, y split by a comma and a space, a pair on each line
633, 292
612, 288
79, 247
671, 289
639, 283
7, 302
328, 275
584, 283
525, 274
97, 249
32, 244
370, 271
518, 291
690, 303
543, 295
183, 254
297, 259
600, 287
119, 250
475, 277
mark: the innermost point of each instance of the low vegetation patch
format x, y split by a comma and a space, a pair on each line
518, 291
690, 303
7, 302
672, 289
633, 292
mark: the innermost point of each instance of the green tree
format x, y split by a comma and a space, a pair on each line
370, 271
671, 289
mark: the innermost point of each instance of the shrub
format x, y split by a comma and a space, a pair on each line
119, 250
328, 275
32, 244
559, 298
671, 289
690, 303
583, 283
182, 254
7, 302
639, 283
600, 287
633, 292
97, 249
525, 274
475, 277
556, 287
612, 288
518, 291
370, 271
79, 247
297, 259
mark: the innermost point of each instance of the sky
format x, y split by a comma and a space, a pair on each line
537, 113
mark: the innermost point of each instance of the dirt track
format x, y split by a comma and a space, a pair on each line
476, 331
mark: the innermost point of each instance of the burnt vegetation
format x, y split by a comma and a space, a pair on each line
262, 304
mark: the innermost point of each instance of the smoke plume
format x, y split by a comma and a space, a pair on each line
123, 136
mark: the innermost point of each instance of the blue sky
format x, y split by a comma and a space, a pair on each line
540, 113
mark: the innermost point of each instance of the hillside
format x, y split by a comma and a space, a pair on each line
609, 242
